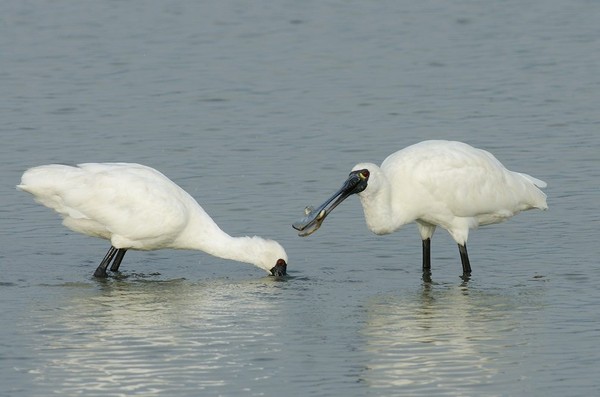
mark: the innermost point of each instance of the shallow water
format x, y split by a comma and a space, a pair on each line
259, 111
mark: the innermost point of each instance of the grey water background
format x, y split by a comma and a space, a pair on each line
259, 109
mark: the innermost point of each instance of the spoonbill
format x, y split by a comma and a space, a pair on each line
137, 207
434, 183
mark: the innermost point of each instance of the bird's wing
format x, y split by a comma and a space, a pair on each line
465, 181
133, 201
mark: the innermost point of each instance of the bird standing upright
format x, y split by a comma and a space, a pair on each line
137, 207
434, 183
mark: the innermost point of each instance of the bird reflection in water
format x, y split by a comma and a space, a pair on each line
442, 337
153, 337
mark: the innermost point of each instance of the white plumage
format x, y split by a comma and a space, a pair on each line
137, 207
435, 183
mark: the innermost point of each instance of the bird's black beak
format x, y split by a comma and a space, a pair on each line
279, 270
356, 183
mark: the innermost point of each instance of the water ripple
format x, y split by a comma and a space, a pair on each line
444, 342
152, 337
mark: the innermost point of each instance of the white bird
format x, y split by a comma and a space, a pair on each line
136, 207
434, 183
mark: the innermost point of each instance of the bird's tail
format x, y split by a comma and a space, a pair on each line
45, 182
538, 197
537, 182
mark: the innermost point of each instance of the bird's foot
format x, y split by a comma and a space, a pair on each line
100, 273
427, 277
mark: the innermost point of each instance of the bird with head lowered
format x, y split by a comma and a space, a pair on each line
137, 207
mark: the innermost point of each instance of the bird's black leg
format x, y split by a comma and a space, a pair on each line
427, 255
118, 258
464, 258
427, 260
101, 269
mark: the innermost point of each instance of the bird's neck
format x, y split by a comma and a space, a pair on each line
381, 216
240, 249
203, 234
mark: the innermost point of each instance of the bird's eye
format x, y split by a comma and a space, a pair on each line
280, 262
364, 174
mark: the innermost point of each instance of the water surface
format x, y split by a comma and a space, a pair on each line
259, 110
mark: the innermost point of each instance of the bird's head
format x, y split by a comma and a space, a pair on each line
357, 182
271, 257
